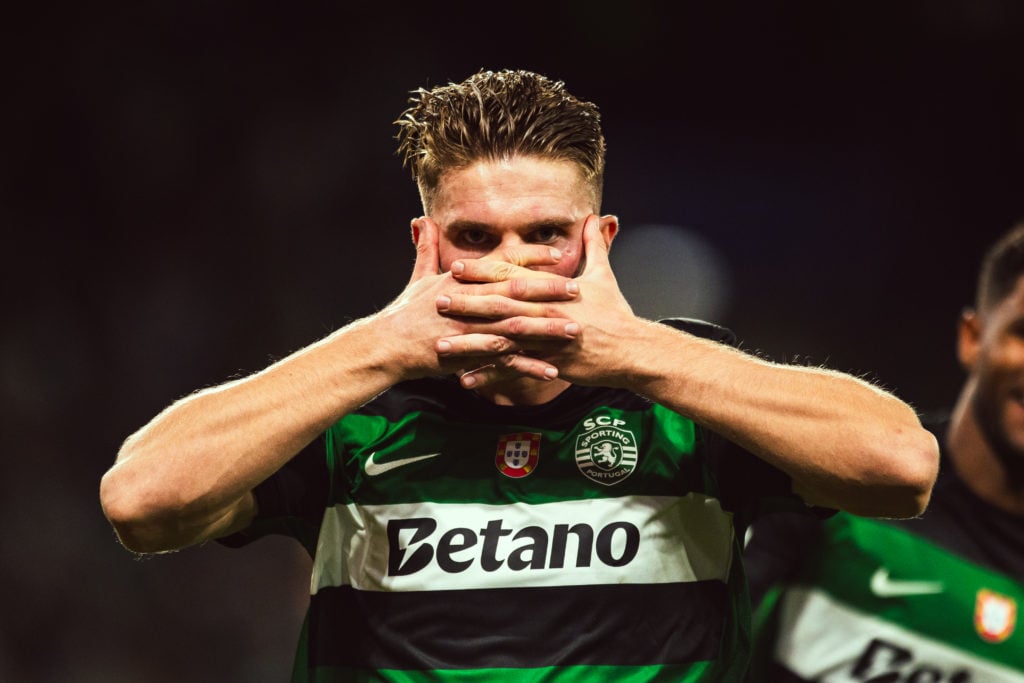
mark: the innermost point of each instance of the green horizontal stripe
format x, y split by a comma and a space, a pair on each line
574, 674
466, 470
858, 547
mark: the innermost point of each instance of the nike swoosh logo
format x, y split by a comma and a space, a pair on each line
374, 468
885, 587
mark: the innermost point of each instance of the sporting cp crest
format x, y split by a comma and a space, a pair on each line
605, 452
995, 616
517, 454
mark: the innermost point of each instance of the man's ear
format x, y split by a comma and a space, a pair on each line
424, 237
609, 228
968, 338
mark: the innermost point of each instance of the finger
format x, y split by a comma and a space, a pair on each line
505, 337
526, 255
526, 289
495, 306
425, 232
595, 244
478, 337
474, 344
514, 314
522, 258
488, 270
511, 365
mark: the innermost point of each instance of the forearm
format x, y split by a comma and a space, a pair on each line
186, 476
844, 442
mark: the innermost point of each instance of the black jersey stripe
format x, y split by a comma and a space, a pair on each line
779, 674
626, 625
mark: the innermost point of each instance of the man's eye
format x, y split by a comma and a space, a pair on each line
545, 235
474, 237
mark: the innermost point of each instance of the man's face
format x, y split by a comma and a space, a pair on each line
492, 206
992, 350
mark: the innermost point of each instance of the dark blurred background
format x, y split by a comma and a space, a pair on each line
193, 189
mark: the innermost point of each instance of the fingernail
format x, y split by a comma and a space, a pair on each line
572, 287
551, 373
555, 253
458, 267
468, 380
572, 329
444, 346
443, 302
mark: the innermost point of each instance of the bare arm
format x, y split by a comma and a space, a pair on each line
187, 475
845, 443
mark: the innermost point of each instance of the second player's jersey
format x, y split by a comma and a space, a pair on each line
934, 599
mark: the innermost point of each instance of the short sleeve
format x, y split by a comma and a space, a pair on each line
290, 502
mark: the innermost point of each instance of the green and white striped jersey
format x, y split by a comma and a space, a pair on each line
931, 599
592, 538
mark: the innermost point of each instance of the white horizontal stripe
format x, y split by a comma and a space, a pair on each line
678, 540
824, 639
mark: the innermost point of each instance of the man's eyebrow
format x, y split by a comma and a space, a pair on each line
468, 225
555, 222
559, 222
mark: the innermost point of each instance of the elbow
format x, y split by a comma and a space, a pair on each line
893, 478
142, 517
912, 465
922, 468
127, 514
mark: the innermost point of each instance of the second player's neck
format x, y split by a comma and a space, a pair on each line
976, 464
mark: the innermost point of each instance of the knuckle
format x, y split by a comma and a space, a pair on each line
502, 307
516, 326
504, 271
519, 287
513, 255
